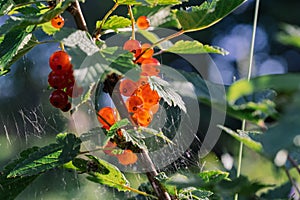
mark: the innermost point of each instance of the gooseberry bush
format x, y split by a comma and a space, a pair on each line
115, 75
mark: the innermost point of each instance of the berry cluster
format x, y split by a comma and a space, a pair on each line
61, 78
107, 116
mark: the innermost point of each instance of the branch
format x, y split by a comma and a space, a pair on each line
75, 11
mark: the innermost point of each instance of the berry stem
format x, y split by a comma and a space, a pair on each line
62, 46
132, 22
174, 35
76, 12
97, 33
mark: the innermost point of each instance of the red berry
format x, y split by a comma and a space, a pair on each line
147, 50
67, 107
58, 21
133, 103
60, 62
142, 117
150, 97
58, 99
149, 66
127, 157
57, 81
107, 117
143, 22
132, 45
127, 87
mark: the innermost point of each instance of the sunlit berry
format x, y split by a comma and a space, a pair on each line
107, 117
152, 108
143, 79
60, 62
127, 157
149, 96
133, 103
132, 45
142, 117
147, 51
58, 99
143, 22
127, 87
58, 21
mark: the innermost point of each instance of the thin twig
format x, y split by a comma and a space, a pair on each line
294, 163
132, 22
76, 12
292, 180
240, 156
98, 30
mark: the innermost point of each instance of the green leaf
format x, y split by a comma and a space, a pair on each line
281, 192
6, 6
119, 124
283, 83
206, 15
245, 138
194, 193
166, 91
149, 2
213, 176
242, 186
194, 47
153, 38
119, 59
48, 28
77, 39
111, 176
114, 22
154, 132
12, 187
287, 126
290, 35
15, 44
48, 157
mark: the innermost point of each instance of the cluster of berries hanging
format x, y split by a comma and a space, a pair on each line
107, 116
141, 101
61, 78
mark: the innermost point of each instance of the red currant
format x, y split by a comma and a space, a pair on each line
150, 97
58, 99
127, 87
60, 62
147, 50
67, 107
57, 81
132, 45
107, 117
133, 103
127, 157
142, 117
58, 21
143, 22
